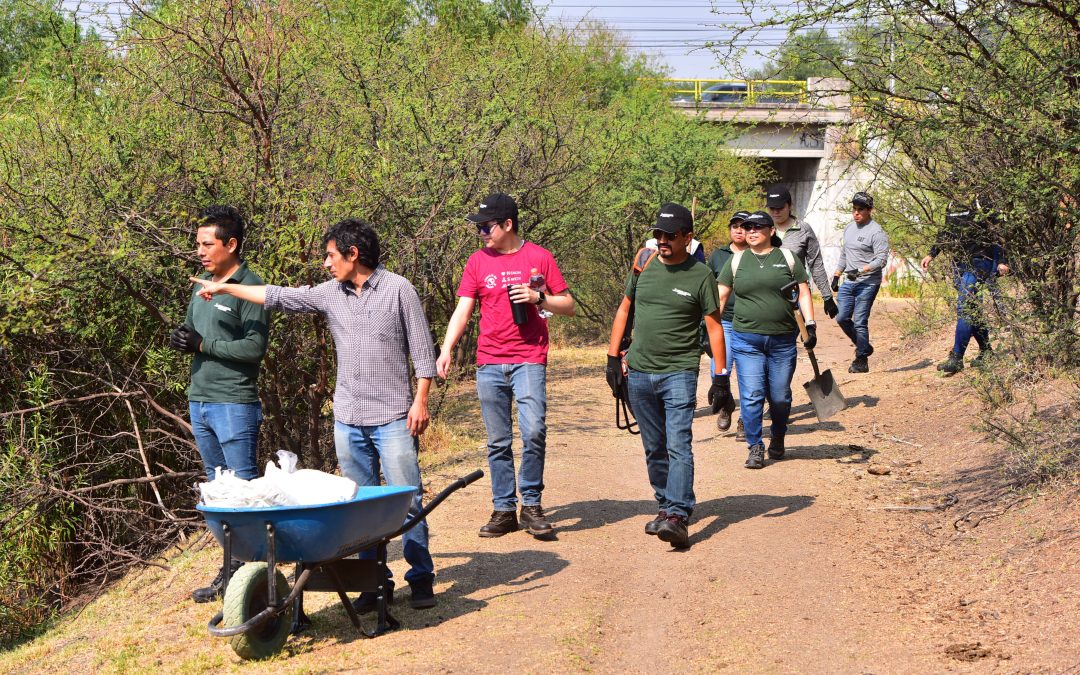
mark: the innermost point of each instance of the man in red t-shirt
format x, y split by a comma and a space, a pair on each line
511, 356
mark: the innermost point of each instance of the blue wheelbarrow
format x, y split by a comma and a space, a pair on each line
260, 608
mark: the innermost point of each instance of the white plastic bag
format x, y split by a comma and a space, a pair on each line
307, 486
228, 491
279, 486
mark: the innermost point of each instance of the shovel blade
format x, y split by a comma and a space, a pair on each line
825, 396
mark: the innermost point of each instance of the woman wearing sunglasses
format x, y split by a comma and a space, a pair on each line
764, 331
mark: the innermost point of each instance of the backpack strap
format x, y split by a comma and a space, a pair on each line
642, 259
736, 258
789, 258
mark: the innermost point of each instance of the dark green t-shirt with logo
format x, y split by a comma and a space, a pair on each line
669, 302
761, 310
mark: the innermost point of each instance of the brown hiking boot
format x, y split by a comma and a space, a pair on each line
502, 522
740, 431
533, 521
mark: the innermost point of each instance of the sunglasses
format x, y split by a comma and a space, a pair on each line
753, 226
660, 234
486, 228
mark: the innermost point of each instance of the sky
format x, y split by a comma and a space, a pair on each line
672, 31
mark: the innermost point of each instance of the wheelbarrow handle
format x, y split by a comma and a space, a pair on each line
449, 490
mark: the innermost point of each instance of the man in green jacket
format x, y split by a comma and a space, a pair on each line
227, 339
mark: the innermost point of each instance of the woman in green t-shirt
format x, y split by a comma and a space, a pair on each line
764, 331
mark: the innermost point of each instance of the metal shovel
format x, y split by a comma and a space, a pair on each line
824, 395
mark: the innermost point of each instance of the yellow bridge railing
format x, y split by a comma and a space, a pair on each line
741, 92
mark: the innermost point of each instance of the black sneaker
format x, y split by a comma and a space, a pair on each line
423, 595
650, 527
502, 522
533, 521
756, 458
859, 365
740, 431
369, 600
776, 448
673, 530
214, 590
952, 365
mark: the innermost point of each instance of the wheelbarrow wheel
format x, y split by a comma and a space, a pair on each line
247, 596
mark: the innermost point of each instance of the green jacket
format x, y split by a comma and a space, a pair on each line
235, 334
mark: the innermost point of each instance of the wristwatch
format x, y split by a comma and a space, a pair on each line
809, 323
540, 300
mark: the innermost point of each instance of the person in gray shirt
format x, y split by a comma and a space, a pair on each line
862, 259
378, 325
799, 238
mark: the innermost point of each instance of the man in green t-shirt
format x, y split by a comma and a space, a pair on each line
670, 297
227, 340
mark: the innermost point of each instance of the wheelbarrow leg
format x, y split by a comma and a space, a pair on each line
386, 621
343, 596
301, 621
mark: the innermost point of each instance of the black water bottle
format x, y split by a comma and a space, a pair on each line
521, 314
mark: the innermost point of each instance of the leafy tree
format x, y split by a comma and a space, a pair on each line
810, 54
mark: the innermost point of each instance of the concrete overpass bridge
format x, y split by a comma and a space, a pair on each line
801, 129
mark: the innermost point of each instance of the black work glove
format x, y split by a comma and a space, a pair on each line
615, 377
185, 339
852, 275
835, 285
811, 337
831, 310
719, 392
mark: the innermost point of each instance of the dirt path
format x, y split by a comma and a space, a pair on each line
794, 568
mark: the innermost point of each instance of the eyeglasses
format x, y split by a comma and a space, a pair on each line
660, 234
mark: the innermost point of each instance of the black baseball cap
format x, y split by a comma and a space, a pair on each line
674, 218
776, 196
759, 218
862, 199
738, 217
496, 206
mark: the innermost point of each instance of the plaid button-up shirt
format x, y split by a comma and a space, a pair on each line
375, 332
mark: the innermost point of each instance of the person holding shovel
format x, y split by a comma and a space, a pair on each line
764, 331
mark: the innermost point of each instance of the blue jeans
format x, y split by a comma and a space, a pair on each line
969, 281
663, 404
498, 386
227, 435
361, 452
854, 302
727, 346
765, 365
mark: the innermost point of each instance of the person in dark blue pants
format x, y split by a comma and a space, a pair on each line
977, 262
